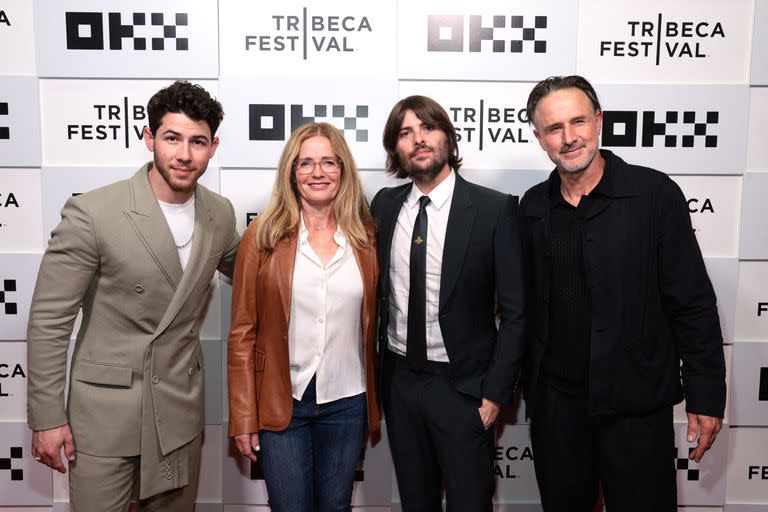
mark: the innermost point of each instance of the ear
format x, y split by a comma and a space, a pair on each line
149, 139
214, 145
538, 138
599, 120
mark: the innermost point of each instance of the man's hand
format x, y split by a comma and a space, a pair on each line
489, 410
46, 447
248, 444
708, 427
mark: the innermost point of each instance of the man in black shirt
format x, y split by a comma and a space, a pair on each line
619, 295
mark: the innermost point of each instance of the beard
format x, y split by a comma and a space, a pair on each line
425, 173
577, 166
175, 184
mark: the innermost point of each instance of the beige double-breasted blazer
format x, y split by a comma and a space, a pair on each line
136, 371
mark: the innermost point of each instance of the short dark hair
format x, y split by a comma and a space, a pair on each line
556, 83
186, 98
429, 112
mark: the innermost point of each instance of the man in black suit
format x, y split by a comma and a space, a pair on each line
449, 253
619, 296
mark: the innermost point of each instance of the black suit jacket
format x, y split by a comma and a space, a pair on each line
481, 266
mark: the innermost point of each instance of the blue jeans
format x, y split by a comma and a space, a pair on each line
310, 466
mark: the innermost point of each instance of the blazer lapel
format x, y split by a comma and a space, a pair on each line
284, 259
461, 218
198, 258
386, 233
151, 227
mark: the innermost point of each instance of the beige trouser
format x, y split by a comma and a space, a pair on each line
106, 484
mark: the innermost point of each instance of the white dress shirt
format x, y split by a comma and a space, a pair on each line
325, 332
181, 221
400, 267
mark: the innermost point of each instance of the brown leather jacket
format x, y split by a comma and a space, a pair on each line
260, 394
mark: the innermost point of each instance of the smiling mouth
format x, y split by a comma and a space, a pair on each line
570, 150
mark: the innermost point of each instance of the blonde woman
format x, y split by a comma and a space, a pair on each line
301, 357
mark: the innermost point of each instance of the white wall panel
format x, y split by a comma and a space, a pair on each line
672, 41
345, 38
490, 40
677, 128
19, 121
90, 38
491, 123
757, 149
21, 224
17, 32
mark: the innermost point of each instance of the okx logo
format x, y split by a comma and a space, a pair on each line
6, 463
9, 307
762, 393
663, 39
514, 34
118, 121
685, 464
485, 124
86, 31
674, 129
5, 131
269, 121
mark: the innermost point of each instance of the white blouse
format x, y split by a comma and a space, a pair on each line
325, 332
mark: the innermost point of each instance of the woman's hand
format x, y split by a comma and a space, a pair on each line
248, 444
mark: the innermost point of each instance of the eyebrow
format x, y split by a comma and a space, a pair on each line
178, 134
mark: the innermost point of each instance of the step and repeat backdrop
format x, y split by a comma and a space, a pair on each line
684, 85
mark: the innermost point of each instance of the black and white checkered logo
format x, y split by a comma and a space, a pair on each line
85, 31
686, 129
513, 34
268, 121
5, 131
9, 308
685, 464
6, 463
762, 393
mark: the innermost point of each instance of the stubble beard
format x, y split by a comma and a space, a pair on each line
175, 185
426, 174
578, 166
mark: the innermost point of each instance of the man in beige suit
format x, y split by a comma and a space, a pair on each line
137, 257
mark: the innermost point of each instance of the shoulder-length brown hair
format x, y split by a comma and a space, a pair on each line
350, 208
429, 112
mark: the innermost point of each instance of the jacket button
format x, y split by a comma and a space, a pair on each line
155, 379
191, 371
139, 288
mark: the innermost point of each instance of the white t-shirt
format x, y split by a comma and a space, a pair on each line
181, 221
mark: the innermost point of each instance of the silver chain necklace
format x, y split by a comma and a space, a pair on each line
192, 236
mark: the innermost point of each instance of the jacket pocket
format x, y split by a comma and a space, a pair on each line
109, 374
259, 360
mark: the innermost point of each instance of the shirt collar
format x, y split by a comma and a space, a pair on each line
338, 236
439, 195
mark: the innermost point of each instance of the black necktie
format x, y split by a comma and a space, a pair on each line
416, 348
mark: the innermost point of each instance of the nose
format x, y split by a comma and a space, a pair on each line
418, 137
569, 135
317, 170
184, 153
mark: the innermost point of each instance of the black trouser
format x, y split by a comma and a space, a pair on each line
437, 437
630, 455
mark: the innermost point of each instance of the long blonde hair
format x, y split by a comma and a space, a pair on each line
350, 207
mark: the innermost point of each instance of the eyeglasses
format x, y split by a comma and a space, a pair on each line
307, 165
